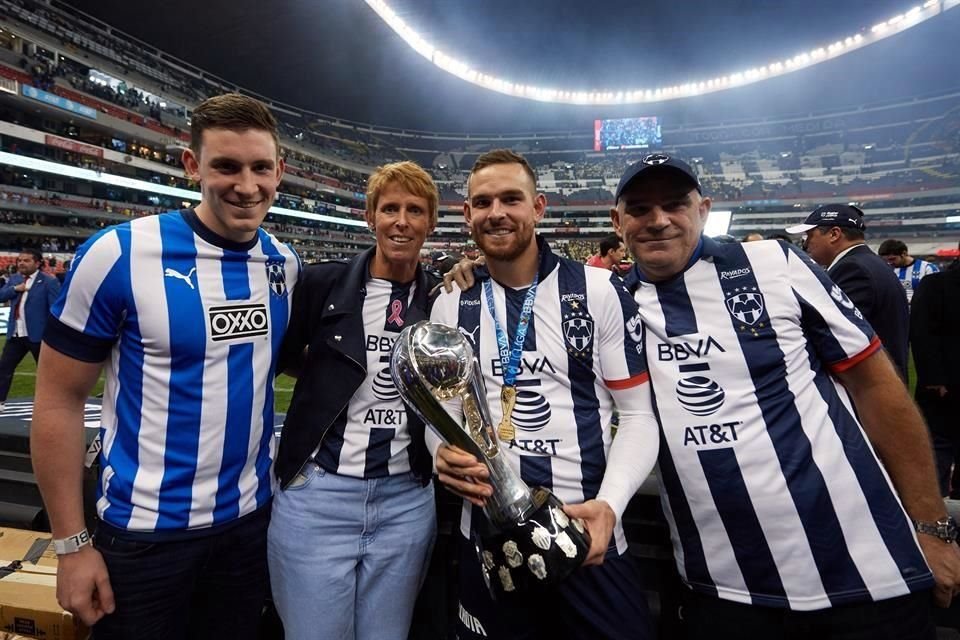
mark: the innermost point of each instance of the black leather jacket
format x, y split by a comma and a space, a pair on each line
326, 320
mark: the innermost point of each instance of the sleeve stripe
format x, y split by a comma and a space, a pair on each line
75, 344
90, 272
629, 383
843, 365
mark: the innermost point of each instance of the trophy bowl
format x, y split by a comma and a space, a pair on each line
527, 540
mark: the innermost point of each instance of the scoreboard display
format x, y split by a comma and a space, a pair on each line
626, 133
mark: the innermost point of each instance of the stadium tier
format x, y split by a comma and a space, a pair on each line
79, 93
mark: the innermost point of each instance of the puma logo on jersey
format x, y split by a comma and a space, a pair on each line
173, 273
471, 336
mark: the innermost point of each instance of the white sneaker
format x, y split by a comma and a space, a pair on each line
2, 405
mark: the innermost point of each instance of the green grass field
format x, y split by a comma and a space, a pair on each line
26, 376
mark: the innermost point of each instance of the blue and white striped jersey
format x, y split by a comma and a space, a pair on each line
370, 439
910, 276
189, 325
582, 356
774, 494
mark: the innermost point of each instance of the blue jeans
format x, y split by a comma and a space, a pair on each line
347, 556
210, 586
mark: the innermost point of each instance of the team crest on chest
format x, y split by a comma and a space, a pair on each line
578, 332
746, 306
277, 277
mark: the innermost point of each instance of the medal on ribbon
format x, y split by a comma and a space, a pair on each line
510, 356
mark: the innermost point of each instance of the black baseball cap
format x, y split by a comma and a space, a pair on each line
831, 215
657, 162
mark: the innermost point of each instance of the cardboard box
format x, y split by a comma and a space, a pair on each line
28, 589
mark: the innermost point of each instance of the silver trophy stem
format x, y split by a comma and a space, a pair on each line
432, 363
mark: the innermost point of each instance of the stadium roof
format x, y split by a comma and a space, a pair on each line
338, 57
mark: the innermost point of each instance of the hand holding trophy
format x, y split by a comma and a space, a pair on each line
533, 540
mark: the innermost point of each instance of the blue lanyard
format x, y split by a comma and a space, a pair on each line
510, 358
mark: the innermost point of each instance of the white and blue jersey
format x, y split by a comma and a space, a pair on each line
582, 356
774, 494
189, 325
370, 439
911, 275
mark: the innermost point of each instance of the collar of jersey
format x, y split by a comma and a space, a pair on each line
706, 248
348, 295
548, 262
193, 220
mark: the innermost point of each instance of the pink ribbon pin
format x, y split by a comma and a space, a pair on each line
395, 308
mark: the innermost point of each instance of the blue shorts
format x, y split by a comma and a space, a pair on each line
593, 603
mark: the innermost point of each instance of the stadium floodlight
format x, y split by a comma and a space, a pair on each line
817, 55
70, 171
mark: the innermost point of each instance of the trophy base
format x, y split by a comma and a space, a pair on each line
541, 550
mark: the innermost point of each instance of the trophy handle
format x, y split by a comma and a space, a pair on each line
512, 499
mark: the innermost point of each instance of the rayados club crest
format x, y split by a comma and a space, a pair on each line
277, 277
578, 332
746, 306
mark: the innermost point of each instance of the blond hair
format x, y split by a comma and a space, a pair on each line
410, 177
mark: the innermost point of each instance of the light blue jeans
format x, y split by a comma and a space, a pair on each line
348, 556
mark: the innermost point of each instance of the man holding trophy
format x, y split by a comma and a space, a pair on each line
558, 347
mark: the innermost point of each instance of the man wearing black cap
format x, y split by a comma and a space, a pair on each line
794, 469
834, 239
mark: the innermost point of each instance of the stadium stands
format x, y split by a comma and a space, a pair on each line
899, 159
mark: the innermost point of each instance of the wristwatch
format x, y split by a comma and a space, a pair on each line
71, 544
945, 528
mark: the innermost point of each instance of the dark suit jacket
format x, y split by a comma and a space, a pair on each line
935, 329
43, 294
327, 319
873, 286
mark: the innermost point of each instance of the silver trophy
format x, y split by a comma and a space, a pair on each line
530, 539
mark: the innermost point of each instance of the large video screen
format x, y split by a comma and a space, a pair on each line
626, 133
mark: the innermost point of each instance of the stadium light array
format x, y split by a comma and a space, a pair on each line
69, 171
820, 54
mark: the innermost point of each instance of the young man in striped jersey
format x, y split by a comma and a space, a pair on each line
795, 472
909, 270
185, 311
576, 355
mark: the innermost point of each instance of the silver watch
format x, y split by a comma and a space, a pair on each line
945, 528
71, 544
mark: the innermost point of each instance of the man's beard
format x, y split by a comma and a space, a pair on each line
492, 249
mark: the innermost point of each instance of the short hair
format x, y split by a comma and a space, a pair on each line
780, 236
609, 243
232, 111
37, 255
502, 156
851, 234
892, 248
408, 175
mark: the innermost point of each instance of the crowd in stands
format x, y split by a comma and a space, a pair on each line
579, 250
805, 165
